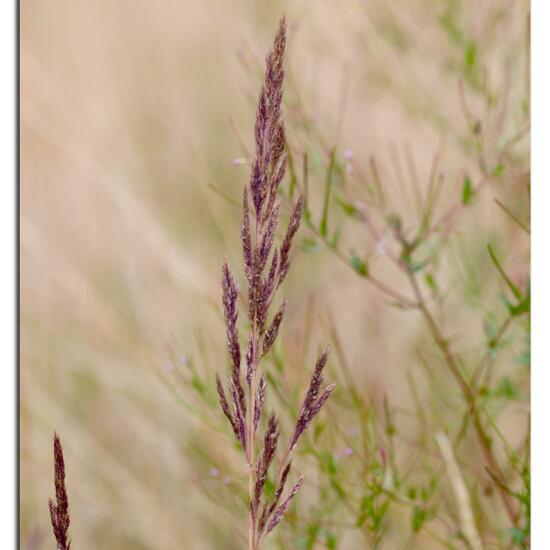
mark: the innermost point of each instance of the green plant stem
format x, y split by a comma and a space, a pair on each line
480, 378
467, 392
469, 395
514, 217
323, 226
481, 375
403, 300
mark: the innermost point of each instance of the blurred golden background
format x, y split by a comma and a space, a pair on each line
131, 117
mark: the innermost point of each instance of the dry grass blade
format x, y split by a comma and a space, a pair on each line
461, 493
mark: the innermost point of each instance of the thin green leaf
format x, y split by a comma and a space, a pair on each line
292, 170
514, 289
323, 226
347, 208
359, 265
467, 191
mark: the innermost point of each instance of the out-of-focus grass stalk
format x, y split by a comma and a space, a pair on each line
461, 492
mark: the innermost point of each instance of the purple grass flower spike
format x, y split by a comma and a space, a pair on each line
265, 267
313, 402
59, 510
278, 515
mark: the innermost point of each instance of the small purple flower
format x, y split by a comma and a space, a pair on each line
343, 453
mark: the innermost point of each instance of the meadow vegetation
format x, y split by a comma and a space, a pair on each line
406, 146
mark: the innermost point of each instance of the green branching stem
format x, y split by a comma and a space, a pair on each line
469, 395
